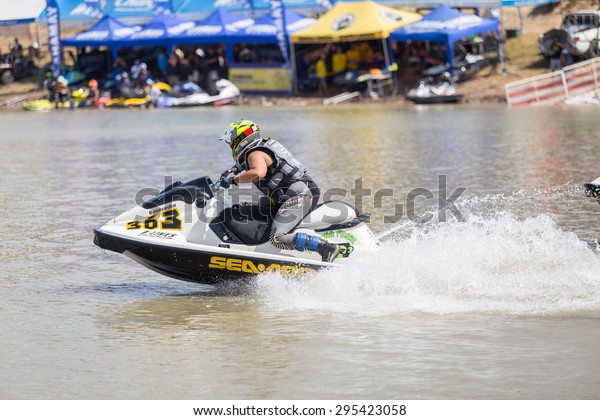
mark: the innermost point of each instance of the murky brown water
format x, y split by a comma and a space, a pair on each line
504, 305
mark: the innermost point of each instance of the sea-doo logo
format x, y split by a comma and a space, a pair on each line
343, 22
390, 16
247, 266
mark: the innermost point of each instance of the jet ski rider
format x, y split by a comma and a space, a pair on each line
272, 168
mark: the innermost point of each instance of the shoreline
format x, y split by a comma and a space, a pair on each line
522, 60
478, 91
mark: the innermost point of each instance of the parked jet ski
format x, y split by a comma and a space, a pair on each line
190, 94
202, 233
430, 92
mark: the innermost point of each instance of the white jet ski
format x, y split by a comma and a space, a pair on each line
429, 92
202, 233
226, 93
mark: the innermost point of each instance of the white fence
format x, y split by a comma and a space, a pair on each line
556, 87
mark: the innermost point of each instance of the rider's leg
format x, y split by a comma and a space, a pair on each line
298, 202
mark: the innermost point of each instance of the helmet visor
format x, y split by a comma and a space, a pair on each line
228, 135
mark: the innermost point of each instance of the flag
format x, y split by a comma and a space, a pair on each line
278, 16
53, 16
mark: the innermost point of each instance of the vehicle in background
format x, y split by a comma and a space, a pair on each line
13, 68
579, 33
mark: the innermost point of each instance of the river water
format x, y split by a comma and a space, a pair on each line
503, 305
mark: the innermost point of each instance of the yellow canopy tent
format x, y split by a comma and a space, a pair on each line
356, 21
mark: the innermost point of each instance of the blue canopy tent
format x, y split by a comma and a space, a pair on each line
446, 25
24, 11
162, 30
218, 28
83, 12
106, 33
292, 4
200, 9
264, 31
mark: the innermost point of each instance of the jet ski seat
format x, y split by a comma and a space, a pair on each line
248, 225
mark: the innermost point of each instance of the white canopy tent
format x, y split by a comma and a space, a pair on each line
22, 11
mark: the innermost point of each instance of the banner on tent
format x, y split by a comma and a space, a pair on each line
54, 37
278, 16
261, 79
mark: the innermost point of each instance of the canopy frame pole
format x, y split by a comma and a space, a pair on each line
386, 53
450, 55
500, 43
501, 52
293, 78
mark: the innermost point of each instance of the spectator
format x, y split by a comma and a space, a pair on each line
16, 50
565, 58
246, 55
162, 63
61, 91
135, 69
321, 71
144, 78
174, 70
366, 54
119, 66
555, 54
353, 58
94, 96
339, 61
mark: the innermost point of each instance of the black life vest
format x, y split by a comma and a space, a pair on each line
283, 172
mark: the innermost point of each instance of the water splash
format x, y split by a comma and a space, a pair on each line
502, 259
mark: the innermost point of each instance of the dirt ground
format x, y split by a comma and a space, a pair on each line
522, 58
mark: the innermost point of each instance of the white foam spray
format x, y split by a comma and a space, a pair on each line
498, 261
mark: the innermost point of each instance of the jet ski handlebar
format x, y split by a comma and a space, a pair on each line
225, 180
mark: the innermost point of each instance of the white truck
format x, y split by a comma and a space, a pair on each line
579, 33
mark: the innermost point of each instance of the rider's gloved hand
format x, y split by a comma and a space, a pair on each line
225, 182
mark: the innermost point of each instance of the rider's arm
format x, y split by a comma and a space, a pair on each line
258, 162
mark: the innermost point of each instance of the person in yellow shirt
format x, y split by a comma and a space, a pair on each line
339, 61
365, 53
353, 58
321, 71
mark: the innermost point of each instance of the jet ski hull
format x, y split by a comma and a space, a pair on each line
204, 267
